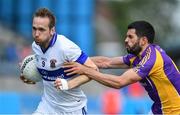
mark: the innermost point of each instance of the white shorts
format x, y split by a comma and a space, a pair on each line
45, 109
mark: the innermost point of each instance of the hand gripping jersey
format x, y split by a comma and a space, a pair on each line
160, 78
49, 62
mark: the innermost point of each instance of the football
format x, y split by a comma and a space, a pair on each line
29, 69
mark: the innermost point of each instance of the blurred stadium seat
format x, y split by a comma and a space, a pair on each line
18, 103
10, 103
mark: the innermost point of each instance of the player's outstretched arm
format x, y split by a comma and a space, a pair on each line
62, 84
129, 77
107, 62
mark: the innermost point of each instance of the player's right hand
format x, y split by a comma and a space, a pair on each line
26, 80
73, 68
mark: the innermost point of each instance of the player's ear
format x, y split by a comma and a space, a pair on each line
144, 40
52, 30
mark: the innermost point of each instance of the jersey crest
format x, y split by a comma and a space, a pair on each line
53, 63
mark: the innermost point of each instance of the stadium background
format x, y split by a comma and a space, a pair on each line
98, 27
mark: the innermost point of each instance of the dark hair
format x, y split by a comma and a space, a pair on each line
143, 28
44, 12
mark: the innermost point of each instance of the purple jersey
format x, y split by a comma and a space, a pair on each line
160, 78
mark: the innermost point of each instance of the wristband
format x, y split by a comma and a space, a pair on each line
64, 85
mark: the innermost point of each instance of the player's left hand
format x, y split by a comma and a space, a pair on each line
26, 80
61, 84
73, 68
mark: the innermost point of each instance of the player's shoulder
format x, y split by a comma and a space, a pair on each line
149, 54
153, 49
65, 42
62, 38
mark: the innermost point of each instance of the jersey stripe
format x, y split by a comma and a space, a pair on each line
53, 75
164, 87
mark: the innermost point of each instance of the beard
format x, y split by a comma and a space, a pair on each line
135, 49
43, 43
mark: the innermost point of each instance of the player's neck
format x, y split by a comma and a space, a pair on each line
45, 45
144, 48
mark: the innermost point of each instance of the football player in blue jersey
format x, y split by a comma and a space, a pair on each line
51, 51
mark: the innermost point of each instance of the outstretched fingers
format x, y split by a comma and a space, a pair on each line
72, 68
71, 71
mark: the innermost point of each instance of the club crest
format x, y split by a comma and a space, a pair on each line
53, 63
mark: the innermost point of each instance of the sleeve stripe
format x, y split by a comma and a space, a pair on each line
82, 58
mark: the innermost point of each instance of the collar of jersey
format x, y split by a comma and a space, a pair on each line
144, 52
52, 42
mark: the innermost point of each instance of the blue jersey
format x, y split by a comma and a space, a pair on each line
160, 78
49, 62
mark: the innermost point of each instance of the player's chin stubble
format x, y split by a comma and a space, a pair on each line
135, 50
